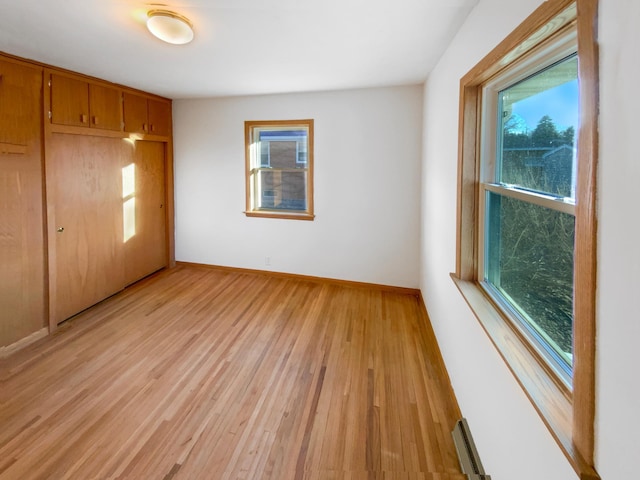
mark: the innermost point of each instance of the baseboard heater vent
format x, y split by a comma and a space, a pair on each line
467, 454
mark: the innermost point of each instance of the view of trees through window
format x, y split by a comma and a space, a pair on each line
529, 248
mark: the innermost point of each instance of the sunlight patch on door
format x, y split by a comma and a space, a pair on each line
129, 201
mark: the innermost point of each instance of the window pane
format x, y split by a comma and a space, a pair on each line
283, 154
539, 118
282, 190
529, 261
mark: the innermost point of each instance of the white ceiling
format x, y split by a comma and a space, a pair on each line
241, 47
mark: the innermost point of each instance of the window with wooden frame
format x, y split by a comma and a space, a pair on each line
279, 169
526, 259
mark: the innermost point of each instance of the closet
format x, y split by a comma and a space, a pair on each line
87, 204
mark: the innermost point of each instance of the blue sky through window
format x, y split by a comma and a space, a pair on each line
560, 103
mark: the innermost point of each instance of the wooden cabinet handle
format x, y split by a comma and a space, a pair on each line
153, 128
83, 118
95, 120
145, 128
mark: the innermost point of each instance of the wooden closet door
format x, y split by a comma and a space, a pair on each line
144, 211
85, 194
22, 261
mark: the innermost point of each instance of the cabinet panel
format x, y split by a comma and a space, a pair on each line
159, 117
20, 88
135, 113
85, 189
106, 107
144, 211
22, 294
69, 101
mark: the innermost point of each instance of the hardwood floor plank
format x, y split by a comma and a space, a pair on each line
198, 373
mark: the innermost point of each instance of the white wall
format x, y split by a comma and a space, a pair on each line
513, 442
618, 357
367, 186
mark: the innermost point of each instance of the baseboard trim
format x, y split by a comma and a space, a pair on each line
23, 342
293, 276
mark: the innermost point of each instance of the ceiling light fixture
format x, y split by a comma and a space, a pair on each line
170, 27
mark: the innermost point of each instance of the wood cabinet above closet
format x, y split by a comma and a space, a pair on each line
80, 103
146, 115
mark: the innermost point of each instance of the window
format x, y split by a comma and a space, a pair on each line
279, 166
526, 221
527, 182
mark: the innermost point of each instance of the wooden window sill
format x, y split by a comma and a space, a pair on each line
280, 214
552, 402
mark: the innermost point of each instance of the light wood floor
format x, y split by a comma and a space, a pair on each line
199, 373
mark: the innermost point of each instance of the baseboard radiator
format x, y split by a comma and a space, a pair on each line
467, 453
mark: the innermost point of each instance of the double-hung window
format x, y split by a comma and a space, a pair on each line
527, 197
526, 212
279, 169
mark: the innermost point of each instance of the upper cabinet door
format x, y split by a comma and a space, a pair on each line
19, 111
159, 117
135, 113
82, 104
69, 101
146, 115
105, 104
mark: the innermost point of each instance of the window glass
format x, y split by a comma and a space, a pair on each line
282, 190
529, 263
539, 119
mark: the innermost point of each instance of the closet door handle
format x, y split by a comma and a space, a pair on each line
60, 229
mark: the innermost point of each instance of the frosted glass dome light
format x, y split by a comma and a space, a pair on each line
170, 27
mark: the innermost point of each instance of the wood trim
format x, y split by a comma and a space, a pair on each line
527, 34
169, 198
23, 342
575, 437
308, 278
468, 158
247, 166
50, 216
586, 232
311, 165
93, 132
279, 214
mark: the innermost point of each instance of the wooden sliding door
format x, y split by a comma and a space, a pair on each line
85, 218
144, 211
